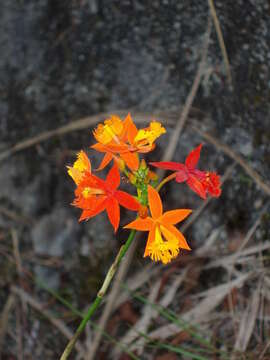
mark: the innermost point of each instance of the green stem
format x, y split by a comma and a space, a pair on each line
164, 181
99, 296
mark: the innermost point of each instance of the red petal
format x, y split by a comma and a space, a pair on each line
168, 165
193, 157
99, 207
127, 200
155, 203
181, 176
113, 211
196, 186
113, 178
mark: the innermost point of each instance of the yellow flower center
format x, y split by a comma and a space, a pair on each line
111, 130
161, 250
87, 192
146, 137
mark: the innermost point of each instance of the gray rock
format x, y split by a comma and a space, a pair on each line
55, 234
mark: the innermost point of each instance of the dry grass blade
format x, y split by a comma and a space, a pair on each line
15, 217
248, 321
229, 260
137, 281
202, 309
4, 320
220, 40
143, 322
164, 302
225, 261
40, 307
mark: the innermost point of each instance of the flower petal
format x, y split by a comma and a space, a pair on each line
113, 212
176, 233
181, 176
151, 238
168, 165
131, 129
131, 159
196, 186
173, 217
100, 205
113, 178
98, 147
140, 224
127, 200
105, 161
193, 157
155, 203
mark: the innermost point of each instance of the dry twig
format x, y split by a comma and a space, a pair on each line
4, 320
248, 321
220, 40
40, 307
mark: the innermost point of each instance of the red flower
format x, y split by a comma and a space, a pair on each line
201, 182
94, 195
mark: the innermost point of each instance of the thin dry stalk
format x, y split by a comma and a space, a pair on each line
220, 40
199, 313
143, 322
63, 329
4, 320
19, 339
12, 215
248, 321
153, 314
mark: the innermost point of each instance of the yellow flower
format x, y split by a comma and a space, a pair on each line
111, 130
80, 166
146, 137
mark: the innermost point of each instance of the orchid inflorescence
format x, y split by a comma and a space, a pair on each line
121, 142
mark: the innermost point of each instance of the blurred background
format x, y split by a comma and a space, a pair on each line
65, 66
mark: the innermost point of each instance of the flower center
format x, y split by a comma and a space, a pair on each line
87, 192
161, 250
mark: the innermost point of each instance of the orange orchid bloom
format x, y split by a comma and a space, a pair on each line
94, 195
164, 240
117, 138
80, 167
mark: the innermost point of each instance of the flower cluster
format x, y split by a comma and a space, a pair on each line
121, 142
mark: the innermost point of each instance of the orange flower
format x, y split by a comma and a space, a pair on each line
122, 138
164, 240
94, 195
80, 167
